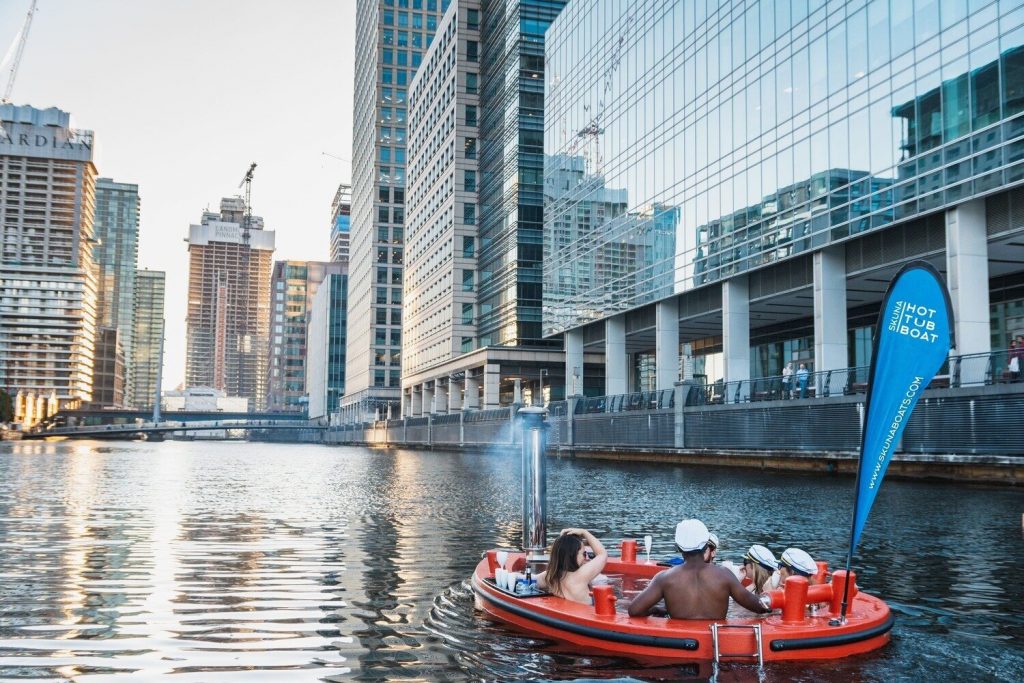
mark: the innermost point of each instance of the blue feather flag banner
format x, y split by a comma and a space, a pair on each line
912, 340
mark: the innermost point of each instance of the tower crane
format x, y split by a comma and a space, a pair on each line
17, 48
247, 181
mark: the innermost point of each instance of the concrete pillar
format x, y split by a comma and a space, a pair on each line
417, 401
472, 400
574, 363
454, 396
440, 398
830, 328
666, 345
428, 399
736, 329
492, 384
517, 391
681, 389
615, 358
967, 276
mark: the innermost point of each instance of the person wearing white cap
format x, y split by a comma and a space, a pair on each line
759, 565
696, 589
796, 562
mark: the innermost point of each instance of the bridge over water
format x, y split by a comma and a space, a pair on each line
114, 424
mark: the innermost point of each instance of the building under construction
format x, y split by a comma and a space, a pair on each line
230, 258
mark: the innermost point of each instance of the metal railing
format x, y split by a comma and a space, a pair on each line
640, 400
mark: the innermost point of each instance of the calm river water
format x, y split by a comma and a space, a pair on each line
261, 562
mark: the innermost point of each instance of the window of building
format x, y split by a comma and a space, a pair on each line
403, 19
382, 256
470, 115
417, 40
417, 59
385, 155
467, 314
396, 316
468, 246
382, 275
467, 280
473, 18
399, 155
472, 51
382, 216
467, 344
384, 194
402, 58
396, 338
396, 255
387, 56
382, 316
417, 21
388, 36
396, 296
385, 134
470, 148
382, 295
469, 213
403, 39
469, 181
388, 17
399, 136
399, 195
398, 215
378, 378
472, 84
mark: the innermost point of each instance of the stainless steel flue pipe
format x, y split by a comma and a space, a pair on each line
535, 481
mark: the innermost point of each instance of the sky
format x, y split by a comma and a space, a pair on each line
183, 95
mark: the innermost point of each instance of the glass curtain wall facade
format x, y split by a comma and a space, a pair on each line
391, 36
325, 360
511, 170
117, 254
149, 330
774, 129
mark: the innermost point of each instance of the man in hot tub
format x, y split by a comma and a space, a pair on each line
698, 588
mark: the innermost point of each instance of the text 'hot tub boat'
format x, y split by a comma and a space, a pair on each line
795, 634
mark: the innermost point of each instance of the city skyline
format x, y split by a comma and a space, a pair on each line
183, 54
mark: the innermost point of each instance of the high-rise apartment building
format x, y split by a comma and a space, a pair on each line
779, 163
341, 223
390, 40
472, 280
230, 257
293, 286
108, 369
47, 270
325, 356
150, 286
116, 250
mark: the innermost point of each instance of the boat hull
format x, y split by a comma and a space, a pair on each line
868, 625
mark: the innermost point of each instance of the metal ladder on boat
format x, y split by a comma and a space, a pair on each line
719, 655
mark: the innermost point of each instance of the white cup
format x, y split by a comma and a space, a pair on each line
501, 577
502, 557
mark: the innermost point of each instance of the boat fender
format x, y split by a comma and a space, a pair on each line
795, 608
628, 550
604, 600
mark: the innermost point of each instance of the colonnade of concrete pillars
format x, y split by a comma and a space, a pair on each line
966, 275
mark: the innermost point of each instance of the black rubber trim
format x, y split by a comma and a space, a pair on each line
590, 631
832, 641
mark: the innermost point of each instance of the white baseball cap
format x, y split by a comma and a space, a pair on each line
713, 540
762, 556
799, 561
691, 534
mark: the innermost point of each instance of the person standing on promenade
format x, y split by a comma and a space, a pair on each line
801, 380
787, 381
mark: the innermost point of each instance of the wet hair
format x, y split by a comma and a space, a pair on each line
563, 561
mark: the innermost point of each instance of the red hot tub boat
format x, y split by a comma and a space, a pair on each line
797, 633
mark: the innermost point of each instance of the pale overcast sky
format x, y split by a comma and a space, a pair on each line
183, 95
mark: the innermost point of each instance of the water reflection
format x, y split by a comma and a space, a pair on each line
244, 562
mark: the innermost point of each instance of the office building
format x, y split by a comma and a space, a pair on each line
47, 270
390, 41
341, 223
471, 336
149, 332
293, 285
228, 322
325, 357
108, 369
116, 250
802, 153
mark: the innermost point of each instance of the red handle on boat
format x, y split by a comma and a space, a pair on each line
492, 561
604, 599
822, 592
795, 608
838, 585
822, 574
628, 550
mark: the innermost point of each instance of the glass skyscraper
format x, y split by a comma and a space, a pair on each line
391, 36
805, 148
149, 331
117, 254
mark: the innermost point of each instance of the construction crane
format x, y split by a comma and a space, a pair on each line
247, 181
17, 48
